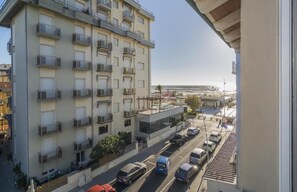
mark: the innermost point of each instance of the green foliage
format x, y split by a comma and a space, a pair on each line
193, 101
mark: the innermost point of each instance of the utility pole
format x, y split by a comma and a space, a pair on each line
206, 138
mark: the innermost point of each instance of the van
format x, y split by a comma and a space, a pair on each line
209, 146
185, 172
215, 137
162, 165
198, 156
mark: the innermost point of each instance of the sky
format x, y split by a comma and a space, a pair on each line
187, 51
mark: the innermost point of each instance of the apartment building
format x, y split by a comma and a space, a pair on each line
263, 35
78, 67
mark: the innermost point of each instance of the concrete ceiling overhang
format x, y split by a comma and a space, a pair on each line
223, 16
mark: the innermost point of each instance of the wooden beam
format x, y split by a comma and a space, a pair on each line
228, 21
235, 44
235, 34
206, 6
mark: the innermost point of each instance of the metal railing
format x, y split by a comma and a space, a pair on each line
48, 30
104, 4
129, 70
49, 129
45, 157
82, 122
104, 92
105, 119
102, 44
83, 146
82, 93
128, 16
104, 68
129, 113
81, 39
129, 91
48, 94
129, 51
82, 65
48, 61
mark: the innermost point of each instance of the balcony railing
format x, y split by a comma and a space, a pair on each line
129, 51
82, 93
129, 70
104, 68
105, 119
129, 91
129, 113
48, 94
104, 4
77, 123
78, 147
104, 92
53, 155
48, 31
128, 16
49, 129
82, 65
81, 39
104, 46
48, 61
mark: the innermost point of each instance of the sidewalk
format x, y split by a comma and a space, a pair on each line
7, 179
110, 175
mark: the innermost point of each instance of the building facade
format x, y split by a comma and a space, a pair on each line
77, 68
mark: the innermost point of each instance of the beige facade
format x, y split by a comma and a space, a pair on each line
78, 69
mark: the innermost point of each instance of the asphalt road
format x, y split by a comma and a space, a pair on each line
152, 182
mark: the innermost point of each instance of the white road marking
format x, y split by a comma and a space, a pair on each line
169, 183
150, 162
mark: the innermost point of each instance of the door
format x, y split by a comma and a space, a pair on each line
48, 145
79, 30
127, 83
80, 112
102, 37
47, 118
48, 85
102, 109
80, 136
47, 50
80, 84
79, 55
102, 59
46, 19
127, 105
102, 83
127, 62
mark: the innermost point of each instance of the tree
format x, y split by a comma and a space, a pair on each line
125, 139
159, 89
194, 102
109, 145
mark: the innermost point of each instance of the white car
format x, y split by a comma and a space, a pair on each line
209, 146
192, 131
215, 137
198, 156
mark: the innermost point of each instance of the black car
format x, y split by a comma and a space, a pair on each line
179, 139
131, 172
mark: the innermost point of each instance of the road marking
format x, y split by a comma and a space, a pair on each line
165, 147
151, 156
169, 183
150, 162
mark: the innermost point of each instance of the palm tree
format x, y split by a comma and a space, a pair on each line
159, 89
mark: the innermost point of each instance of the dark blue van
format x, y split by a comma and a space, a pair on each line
162, 165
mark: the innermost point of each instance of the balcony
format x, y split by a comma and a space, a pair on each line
78, 147
53, 155
49, 129
105, 119
77, 123
48, 61
49, 31
129, 70
82, 65
104, 68
129, 91
104, 4
129, 51
128, 16
130, 113
81, 39
104, 92
78, 93
104, 46
48, 94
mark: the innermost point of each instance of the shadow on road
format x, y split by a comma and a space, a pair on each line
170, 150
152, 182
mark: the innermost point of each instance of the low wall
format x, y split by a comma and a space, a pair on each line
78, 179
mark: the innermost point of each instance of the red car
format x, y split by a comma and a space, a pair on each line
101, 188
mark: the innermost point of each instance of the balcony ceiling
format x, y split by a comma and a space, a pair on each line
223, 16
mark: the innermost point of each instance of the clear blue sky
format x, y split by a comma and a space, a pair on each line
187, 51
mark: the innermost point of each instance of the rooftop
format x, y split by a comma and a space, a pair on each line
223, 167
156, 110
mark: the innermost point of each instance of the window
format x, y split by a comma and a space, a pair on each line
127, 122
115, 61
140, 20
47, 50
141, 50
80, 6
140, 66
79, 29
140, 34
115, 4
115, 22
115, 42
126, 26
141, 84
46, 19
103, 129
103, 16
116, 84
116, 107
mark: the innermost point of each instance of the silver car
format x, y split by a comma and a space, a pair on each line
131, 172
198, 156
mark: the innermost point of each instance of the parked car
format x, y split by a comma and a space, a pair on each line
162, 165
179, 139
209, 146
198, 156
131, 172
101, 188
185, 172
193, 131
215, 137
